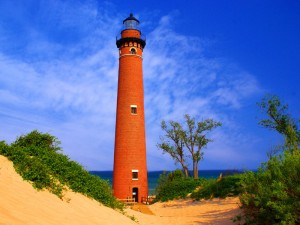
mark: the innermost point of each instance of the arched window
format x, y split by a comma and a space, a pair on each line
133, 51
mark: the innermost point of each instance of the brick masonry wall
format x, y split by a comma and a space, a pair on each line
130, 142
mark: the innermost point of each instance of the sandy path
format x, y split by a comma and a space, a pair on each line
21, 204
188, 212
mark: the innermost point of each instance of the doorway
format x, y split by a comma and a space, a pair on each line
135, 194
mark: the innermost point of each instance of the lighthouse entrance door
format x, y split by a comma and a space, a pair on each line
135, 194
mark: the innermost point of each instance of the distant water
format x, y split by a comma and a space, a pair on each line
154, 175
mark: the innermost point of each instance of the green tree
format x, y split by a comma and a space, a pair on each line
272, 195
188, 140
176, 148
195, 138
280, 120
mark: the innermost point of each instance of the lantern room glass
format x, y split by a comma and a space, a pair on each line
131, 24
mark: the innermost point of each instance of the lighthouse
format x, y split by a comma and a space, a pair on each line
130, 166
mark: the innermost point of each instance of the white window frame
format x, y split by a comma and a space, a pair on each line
131, 107
135, 171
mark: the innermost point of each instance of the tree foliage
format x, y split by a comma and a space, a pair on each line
187, 140
174, 144
272, 196
280, 120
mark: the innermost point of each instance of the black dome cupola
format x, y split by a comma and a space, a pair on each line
131, 22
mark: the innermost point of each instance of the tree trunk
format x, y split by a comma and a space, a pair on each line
186, 171
195, 169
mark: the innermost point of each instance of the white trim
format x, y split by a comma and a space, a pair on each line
134, 170
134, 55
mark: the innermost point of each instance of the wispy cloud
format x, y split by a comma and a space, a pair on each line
67, 85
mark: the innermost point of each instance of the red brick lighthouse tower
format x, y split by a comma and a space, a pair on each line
130, 166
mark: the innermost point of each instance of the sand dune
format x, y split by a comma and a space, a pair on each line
21, 204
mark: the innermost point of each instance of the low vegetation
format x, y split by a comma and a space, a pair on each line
222, 187
36, 158
175, 185
272, 195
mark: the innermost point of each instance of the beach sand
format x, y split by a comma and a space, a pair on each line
21, 204
189, 212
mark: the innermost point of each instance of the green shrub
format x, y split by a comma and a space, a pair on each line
36, 139
4, 148
36, 159
272, 196
219, 188
175, 185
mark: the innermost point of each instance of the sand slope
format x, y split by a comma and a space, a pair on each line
21, 204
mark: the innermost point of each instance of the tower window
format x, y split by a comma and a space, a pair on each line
133, 51
133, 109
135, 174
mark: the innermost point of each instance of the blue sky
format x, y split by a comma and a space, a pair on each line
211, 59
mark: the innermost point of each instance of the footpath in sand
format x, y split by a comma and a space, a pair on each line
189, 212
21, 204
